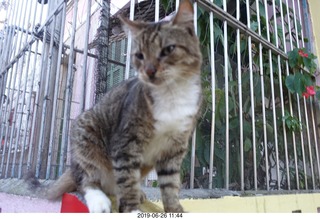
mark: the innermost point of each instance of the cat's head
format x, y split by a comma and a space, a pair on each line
167, 51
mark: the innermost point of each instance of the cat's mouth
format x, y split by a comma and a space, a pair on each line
151, 79
154, 80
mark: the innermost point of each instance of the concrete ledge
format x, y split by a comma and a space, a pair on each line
16, 197
295, 203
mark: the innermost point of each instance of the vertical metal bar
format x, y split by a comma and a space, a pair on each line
5, 127
240, 98
18, 38
21, 114
24, 144
85, 55
13, 124
193, 158
43, 57
10, 46
311, 108
3, 110
213, 94
26, 70
315, 137
193, 146
26, 22
3, 44
68, 94
298, 103
273, 100
22, 25
226, 87
281, 96
264, 120
304, 99
45, 101
2, 86
27, 27
57, 79
301, 31
128, 56
35, 107
10, 38
157, 10
41, 11
10, 133
7, 47
252, 100
2, 90
309, 143
290, 98
28, 103
177, 4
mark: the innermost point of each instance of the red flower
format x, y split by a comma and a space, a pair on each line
302, 54
309, 92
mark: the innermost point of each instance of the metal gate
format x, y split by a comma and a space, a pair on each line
256, 132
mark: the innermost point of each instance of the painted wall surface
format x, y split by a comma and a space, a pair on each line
314, 6
304, 203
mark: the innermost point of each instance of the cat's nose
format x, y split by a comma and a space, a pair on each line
151, 71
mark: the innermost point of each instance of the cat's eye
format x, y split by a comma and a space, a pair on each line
167, 50
139, 55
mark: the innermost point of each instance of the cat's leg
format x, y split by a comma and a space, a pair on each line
143, 196
91, 187
127, 177
91, 178
91, 163
168, 170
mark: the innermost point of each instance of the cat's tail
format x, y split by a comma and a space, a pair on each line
54, 190
63, 185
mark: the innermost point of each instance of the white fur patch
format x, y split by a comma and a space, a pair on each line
173, 109
97, 201
174, 104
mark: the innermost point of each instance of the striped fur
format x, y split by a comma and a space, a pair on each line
144, 123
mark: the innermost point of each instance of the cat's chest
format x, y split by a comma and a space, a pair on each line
174, 109
174, 117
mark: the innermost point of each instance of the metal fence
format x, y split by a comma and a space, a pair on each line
48, 75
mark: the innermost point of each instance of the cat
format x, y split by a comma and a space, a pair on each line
143, 123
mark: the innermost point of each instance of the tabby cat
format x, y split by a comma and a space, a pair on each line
143, 123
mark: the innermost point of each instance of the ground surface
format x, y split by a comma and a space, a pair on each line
16, 197
10, 203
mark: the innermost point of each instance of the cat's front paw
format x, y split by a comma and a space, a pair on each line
97, 201
177, 209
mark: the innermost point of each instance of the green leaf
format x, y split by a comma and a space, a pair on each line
234, 123
269, 129
254, 26
247, 145
293, 57
290, 83
307, 62
299, 85
262, 9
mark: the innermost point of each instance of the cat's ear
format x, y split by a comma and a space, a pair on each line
184, 14
131, 26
